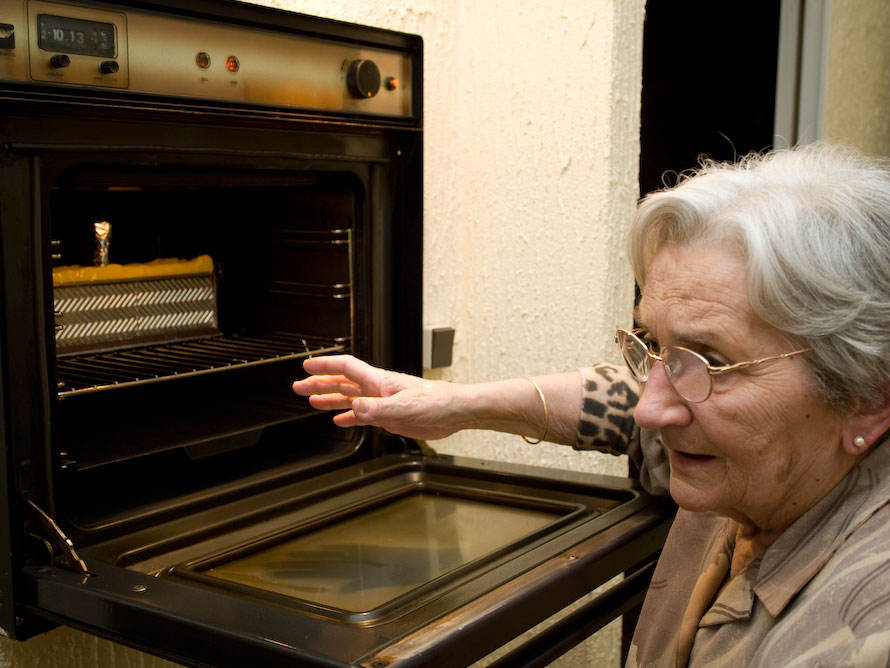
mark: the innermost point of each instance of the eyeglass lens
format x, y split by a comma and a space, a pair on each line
687, 372
637, 357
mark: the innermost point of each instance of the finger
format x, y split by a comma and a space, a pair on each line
326, 385
328, 364
346, 419
354, 369
330, 402
371, 410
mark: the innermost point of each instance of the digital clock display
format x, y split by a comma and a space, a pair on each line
67, 35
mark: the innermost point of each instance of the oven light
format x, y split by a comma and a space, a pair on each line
232, 64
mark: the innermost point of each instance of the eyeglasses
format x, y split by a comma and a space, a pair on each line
690, 374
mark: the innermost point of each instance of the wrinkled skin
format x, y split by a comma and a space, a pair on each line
424, 409
765, 446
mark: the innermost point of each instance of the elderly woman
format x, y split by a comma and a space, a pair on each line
757, 392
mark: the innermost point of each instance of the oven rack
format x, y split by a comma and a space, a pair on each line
150, 364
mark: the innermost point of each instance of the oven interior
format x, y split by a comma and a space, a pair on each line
175, 389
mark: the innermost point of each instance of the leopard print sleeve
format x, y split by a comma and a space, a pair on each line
608, 397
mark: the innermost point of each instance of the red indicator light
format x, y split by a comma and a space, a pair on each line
232, 64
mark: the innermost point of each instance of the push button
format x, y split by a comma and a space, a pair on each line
109, 67
59, 61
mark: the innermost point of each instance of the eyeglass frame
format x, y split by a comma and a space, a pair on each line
712, 370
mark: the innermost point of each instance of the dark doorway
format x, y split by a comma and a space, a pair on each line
709, 84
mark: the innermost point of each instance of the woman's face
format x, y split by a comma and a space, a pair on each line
764, 447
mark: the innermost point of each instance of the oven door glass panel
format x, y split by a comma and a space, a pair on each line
361, 563
362, 543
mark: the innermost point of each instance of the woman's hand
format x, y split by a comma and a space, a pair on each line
397, 402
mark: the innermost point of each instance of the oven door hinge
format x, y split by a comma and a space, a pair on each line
47, 532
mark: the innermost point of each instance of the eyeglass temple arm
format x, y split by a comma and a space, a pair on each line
716, 370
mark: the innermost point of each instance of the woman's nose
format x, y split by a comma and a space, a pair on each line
660, 405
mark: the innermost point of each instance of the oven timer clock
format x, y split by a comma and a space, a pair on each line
77, 36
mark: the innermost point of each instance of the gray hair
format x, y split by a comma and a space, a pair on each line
813, 227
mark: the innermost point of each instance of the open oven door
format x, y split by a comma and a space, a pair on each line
407, 560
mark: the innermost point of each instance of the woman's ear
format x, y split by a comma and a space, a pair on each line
868, 426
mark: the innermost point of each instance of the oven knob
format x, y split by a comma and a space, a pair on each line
109, 67
363, 78
59, 60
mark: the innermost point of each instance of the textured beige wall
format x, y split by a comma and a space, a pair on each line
857, 91
531, 158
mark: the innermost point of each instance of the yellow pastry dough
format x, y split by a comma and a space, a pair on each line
160, 268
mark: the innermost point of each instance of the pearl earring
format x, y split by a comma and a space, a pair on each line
859, 442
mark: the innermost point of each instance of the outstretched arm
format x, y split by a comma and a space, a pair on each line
432, 409
587, 409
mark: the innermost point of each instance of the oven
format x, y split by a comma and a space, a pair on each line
194, 197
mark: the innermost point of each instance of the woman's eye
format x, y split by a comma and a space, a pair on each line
714, 359
652, 344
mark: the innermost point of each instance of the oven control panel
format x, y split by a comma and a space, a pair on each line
68, 44
82, 45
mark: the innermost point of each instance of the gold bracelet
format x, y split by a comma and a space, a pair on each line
546, 415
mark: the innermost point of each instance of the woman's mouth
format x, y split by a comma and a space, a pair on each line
689, 460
